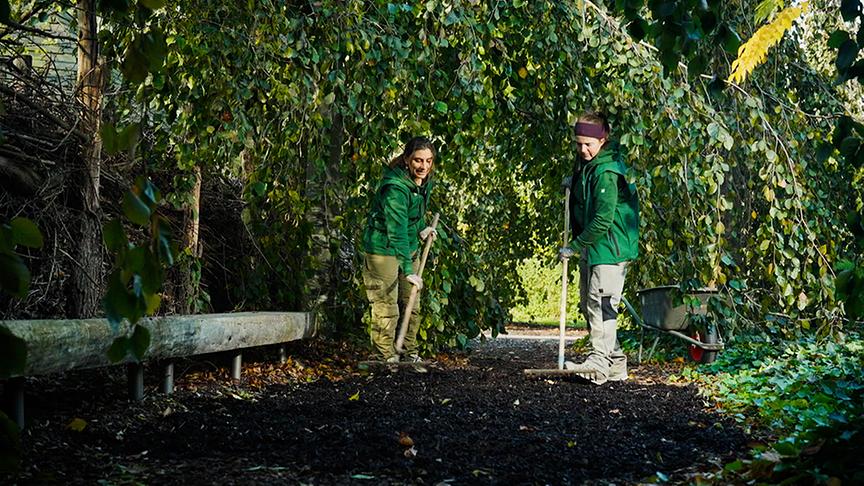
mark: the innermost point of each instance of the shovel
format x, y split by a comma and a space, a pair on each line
412, 300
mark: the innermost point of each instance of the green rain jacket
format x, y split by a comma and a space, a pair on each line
397, 217
604, 209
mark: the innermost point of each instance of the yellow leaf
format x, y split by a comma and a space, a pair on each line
719, 228
354, 397
753, 214
523, 73
77, 424
754, 51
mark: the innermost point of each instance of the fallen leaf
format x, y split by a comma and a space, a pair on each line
77, 424
516, 402
405, 440
167, 412
409, 453
354, 397
445, 401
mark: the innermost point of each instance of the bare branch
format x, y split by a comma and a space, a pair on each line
34, 106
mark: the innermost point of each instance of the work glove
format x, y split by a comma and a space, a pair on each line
428, 231
565, 253
567, 182
415, 280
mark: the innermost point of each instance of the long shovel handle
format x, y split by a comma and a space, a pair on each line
412, 299
563, 309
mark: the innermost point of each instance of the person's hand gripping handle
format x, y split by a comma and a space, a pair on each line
416, 284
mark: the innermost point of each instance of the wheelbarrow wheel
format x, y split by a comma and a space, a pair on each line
706, 335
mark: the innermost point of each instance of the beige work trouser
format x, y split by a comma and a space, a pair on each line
600, 288
388, 291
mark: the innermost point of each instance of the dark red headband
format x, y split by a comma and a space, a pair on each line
590, 130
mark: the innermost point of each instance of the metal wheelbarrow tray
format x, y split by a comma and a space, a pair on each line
661, 313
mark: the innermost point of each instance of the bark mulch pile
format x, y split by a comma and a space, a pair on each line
317, 419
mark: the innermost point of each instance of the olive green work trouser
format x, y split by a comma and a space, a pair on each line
388, 291
600, 288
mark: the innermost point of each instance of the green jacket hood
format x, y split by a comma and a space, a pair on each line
604, 208
396, 217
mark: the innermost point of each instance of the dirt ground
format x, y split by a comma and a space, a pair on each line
474, 418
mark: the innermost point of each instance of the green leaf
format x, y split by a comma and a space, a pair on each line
118, 303
135, 209
106, 6
714, 130
140, 341
849, 146
850, 9
786, 448
259, 188
135, 64
136, 259
153, 301
118, 349
708, 21
638, 29
151, 275
13, 354
7, 239
441, 107
730, 39
838, 37
14, 275
128, 137
847, 54
167, 249
148, 190
114, 236
5, 11
108, 132
153, 4
26, 233
767, 8
154, 49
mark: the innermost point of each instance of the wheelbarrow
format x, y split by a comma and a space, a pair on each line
661, 313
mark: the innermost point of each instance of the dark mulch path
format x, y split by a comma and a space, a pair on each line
473, 419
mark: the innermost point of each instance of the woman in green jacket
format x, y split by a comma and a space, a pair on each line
395, 226
604, 215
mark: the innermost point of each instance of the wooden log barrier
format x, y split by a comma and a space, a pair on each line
60, 345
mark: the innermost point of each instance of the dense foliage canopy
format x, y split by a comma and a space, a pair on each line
741, 186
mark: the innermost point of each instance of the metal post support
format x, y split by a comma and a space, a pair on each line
236, 366
135, 378
653, 347
283, 354
14, 398
168, 378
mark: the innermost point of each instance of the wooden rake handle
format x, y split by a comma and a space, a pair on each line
412, 300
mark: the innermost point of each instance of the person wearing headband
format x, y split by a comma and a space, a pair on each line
394, 227
604, 217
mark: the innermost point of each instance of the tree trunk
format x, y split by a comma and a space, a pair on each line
87, 280
188, 290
